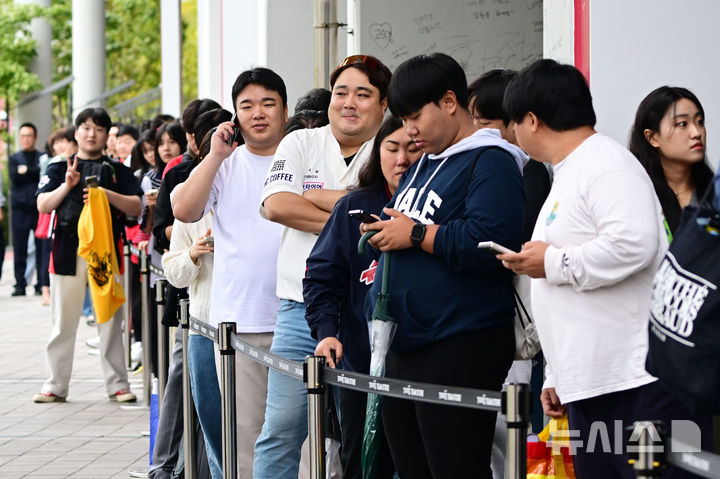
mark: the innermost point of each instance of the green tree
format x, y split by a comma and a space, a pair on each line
132, 45
17, 51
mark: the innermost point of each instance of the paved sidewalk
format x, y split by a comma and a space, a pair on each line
87, 437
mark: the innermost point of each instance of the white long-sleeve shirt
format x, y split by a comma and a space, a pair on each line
604, 226
180, 270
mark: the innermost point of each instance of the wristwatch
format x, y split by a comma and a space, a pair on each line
417, 234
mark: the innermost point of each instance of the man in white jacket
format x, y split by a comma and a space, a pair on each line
596, 246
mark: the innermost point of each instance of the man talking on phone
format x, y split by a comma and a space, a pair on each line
229, 182
62, 189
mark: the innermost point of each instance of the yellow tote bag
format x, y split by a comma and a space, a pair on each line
97, 247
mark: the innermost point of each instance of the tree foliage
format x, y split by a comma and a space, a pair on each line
132, 47
17, 50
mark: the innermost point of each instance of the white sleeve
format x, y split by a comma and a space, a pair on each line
549, 381
624, 209
287, 171
180, 270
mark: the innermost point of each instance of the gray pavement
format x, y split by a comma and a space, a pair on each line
87, 437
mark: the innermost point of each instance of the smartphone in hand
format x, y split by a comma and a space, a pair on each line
494, 247
362, 216
236, 130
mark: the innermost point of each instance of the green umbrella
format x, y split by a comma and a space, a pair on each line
382, 329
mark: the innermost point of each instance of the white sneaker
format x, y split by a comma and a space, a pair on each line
93, 342
136, 351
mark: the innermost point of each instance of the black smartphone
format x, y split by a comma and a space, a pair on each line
362, 216
236, 130
91, 181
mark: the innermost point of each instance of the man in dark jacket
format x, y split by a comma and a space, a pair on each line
24, 171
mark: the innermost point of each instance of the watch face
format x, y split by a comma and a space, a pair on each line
417, 234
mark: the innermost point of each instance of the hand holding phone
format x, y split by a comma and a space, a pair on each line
235, 130
91, 181
494, 247
362, 216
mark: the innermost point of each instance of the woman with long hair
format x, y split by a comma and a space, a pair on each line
669, 139
337, 281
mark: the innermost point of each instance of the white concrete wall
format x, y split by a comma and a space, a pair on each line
558, 29
640, 45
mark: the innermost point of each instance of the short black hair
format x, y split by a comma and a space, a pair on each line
128, 130
378, 74
70, 134
29, 125
209, 120
259, 76
99, 116
557, 94
194, 109
425, 79
307, 119
487, 92
316, 99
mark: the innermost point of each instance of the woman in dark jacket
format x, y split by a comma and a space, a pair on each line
338, 278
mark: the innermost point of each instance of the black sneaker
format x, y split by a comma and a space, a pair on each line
18, 292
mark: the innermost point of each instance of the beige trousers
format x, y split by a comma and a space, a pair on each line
67, 294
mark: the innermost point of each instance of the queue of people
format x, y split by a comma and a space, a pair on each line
249, 215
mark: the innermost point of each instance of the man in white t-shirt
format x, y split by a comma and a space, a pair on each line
312, 169
229, 180
597, 243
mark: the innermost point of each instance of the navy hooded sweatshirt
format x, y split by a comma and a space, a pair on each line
475, 193
337, 279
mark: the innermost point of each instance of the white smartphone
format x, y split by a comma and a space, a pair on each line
494, 247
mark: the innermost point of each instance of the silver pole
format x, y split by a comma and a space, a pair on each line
316, 396
646, 464
227, 395
145, 300
127, 312
163, 340
516, 407
188, 406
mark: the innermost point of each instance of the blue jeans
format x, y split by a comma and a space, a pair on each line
277, 450
206, 396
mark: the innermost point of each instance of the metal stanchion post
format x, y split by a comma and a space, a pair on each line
645, 449
516, 407
147, 353
227, 394
188, 407
316, 396
163, 340
127, 307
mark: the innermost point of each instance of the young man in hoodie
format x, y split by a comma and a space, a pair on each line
453, 302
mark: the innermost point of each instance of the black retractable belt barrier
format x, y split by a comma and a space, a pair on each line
225, 332
127, 307
651, 450
188, 407
163, 339
147, 350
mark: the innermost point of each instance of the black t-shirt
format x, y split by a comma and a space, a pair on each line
112, 175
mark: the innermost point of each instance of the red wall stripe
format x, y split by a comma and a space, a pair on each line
582, 37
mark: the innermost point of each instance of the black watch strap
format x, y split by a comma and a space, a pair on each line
417, 235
